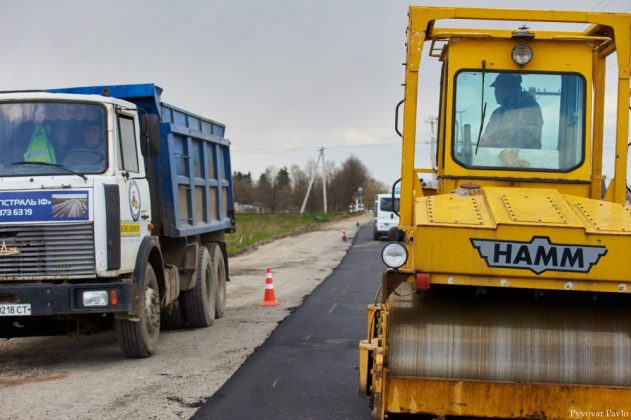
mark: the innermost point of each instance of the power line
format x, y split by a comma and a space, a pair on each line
268, 146
597, 4
297, 148
598, 7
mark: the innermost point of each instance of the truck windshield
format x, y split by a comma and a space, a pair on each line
43, 138
533, 121
385, 204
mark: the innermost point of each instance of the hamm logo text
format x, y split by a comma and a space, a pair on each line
538, 255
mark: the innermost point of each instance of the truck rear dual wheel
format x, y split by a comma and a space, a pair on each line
219, 268
199, 303
140, 338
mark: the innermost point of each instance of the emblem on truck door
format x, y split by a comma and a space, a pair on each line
539, 255
6, 251
134, 200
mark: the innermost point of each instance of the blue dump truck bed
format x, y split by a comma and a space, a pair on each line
191, 178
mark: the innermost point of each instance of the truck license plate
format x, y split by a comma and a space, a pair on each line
15, 309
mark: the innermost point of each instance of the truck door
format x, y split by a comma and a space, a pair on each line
135, 205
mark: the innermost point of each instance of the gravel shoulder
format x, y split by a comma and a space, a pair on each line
87, 377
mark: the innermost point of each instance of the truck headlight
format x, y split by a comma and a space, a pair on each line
394, 255
95, 298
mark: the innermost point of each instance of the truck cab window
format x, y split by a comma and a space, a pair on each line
385, 204
514, 132
36, 136
127, 145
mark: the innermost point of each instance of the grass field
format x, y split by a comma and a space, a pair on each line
254, 228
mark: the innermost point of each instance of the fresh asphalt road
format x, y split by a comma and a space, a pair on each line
307, 368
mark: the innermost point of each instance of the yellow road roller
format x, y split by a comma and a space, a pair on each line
508, 287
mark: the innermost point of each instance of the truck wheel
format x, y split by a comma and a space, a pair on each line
199, 302
172, 318
140, 338
219, 267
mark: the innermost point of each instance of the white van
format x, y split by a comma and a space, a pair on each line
385, 218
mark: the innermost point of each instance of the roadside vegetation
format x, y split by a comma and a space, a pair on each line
283, 190
267, 207
259, 228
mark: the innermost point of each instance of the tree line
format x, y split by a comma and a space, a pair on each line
284, 189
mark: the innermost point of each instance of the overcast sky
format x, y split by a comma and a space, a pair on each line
286, 77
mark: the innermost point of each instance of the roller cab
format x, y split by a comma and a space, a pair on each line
508, 293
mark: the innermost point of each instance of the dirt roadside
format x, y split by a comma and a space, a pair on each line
88, 378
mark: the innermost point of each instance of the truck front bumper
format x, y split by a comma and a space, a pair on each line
48, 299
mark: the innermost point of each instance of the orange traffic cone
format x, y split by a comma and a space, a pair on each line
269, 298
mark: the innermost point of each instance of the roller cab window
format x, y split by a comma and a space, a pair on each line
519, 121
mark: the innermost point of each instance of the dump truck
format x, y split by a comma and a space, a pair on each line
507, 289
113, 211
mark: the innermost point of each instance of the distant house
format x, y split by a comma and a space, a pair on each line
250, 208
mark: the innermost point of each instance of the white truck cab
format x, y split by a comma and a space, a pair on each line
386, 217
60, 156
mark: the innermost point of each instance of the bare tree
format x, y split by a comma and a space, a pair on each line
282, 190
346, 181
243, 187
265, 190
299, 184
372, 187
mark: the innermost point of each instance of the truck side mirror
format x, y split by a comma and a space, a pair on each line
150, 134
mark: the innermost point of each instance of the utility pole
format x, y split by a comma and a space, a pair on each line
323, 178
313, 175
433, 122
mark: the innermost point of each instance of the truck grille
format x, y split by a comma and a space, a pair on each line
54, 251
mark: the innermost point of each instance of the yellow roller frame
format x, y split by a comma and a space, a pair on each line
603, 26
606, 33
